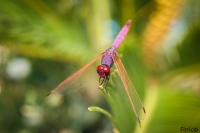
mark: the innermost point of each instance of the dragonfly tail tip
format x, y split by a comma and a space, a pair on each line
129, 22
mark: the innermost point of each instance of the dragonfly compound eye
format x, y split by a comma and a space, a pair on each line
106, 70
103, 70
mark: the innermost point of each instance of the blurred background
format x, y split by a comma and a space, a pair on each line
43, 42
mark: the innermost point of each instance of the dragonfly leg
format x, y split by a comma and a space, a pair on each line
106, 81
101, 80
101, 83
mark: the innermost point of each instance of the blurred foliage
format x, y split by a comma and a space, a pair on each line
43, 42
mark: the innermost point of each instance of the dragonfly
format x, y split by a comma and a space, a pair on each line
108, 59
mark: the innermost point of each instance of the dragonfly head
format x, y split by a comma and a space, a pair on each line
103, 70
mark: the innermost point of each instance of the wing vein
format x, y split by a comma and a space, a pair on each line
133, 97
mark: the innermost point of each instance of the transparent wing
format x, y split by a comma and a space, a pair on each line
86, 77
129, 94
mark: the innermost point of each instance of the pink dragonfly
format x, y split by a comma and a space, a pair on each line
109, 57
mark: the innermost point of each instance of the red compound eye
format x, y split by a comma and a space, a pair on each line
106, 70
103, 70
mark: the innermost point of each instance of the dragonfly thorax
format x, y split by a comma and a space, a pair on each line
103, 70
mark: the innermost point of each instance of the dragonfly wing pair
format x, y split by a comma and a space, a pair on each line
129, 93
80, 79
